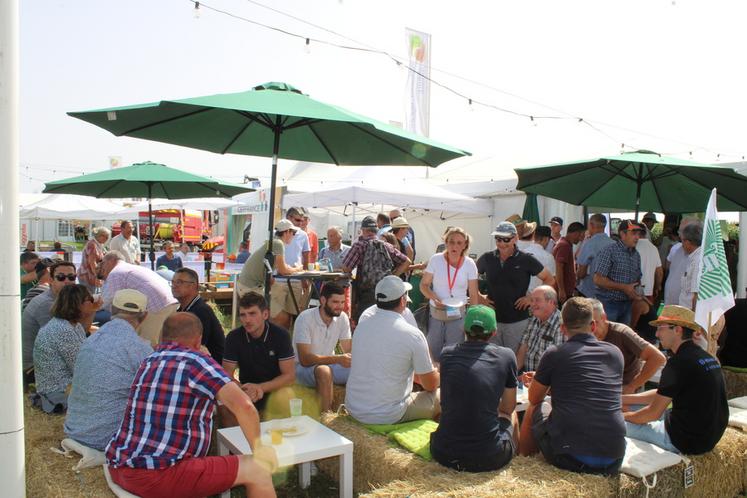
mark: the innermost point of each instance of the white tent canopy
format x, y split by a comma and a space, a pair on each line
70, 207
197, 204
409, 194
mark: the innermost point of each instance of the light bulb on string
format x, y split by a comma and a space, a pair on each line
533, 121
471, 107
196, 10
307, 47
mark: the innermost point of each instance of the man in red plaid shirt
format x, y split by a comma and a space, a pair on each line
161, 447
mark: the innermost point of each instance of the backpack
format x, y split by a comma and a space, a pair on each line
375, 265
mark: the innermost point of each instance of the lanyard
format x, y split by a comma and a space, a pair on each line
448, 273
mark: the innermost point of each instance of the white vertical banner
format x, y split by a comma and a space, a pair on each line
418, 104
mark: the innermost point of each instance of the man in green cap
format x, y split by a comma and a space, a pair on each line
478, 430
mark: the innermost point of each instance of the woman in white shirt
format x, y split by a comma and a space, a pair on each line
448, 280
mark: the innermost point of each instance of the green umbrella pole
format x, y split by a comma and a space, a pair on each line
152, 235
273, 180
638, 191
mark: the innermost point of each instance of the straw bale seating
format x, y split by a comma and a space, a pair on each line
381, 469
736, 381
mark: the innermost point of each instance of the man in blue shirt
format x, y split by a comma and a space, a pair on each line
169, 260
583, 430
244, 253
617, 273
591, 247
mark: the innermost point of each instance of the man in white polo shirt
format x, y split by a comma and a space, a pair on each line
389, 354
316, 334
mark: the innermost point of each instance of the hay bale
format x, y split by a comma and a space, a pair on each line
383, 469
736, 383
49, 475
720, 472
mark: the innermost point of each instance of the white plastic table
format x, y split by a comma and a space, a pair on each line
319, 442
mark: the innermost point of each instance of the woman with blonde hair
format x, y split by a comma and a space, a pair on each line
93, 254
449, 282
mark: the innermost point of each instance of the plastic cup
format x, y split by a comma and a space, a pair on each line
296, 407
310, 267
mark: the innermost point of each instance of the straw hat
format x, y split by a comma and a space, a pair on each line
524, 228
400, 222
676, 315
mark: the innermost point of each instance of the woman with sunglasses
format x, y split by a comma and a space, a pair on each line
92, 255
449, 282
57, 345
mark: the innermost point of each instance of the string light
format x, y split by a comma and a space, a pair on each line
399, 62
307, 46
196, 11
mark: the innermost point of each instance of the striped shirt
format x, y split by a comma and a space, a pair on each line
539, 336
169, 412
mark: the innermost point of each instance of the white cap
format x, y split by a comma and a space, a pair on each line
130, 300
283, 225
391, 288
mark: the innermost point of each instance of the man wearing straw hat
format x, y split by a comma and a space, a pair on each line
478, 430
691, 381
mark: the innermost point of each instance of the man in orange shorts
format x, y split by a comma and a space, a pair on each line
160, 450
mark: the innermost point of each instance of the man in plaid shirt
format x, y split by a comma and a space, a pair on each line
543, 329
617, 273
161, 447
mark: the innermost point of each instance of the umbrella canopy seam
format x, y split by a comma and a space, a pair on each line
324, 145
167, 120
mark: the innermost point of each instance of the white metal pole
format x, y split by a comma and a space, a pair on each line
12, 468
742, 261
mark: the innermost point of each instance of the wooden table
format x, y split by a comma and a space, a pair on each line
319, 442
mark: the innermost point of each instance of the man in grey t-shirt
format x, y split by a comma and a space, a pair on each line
104, 370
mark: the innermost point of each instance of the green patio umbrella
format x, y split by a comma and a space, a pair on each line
272, 120
641, 180
149, 180
531, 209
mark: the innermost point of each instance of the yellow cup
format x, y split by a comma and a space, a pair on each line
276, 436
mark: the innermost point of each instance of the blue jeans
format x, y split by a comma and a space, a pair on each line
654, 432
618, 311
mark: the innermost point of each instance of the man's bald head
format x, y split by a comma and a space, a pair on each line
184, 328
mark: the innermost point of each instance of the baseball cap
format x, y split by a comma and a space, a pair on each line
557, 219
505, 229
368, 222
390, 288
283, 225
130, 300
630, 225
400, 222
480, 316
649, 216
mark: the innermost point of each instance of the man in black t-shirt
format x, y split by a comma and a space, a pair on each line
583, 430
507, 272
261, 350
478, 427
692, 382
185, 287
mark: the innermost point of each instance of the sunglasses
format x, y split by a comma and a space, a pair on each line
182, 282
505, 240
61, 278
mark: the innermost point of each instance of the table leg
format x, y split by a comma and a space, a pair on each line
304, 475
293, 297
223, 451
346, 473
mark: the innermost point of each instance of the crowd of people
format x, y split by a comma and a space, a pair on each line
556, 313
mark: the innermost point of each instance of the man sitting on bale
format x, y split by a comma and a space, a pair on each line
185, 287
261, 350
478, 430
162, 444
106, 364
316, 334
543, 329
389, 354
583, 430
692, 382
641, 359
